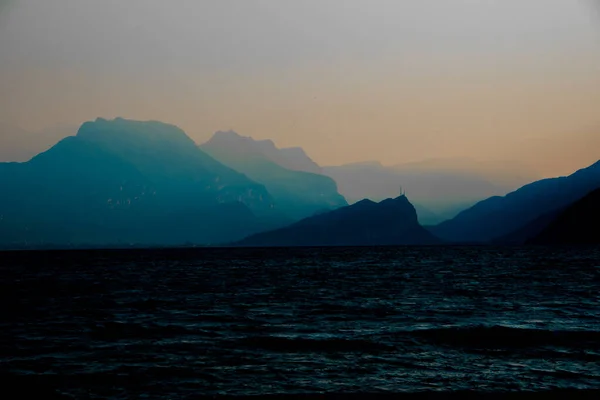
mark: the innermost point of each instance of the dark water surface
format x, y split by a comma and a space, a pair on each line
171, 324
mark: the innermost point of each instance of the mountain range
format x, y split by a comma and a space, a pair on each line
121, 182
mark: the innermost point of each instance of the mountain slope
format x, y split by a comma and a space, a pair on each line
298, 194
296, 159
500, 216
578, 224
129, 181
366, 223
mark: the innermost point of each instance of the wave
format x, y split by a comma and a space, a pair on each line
282, 344
469, 337
49, 387
503, 336
429, 395
117, 330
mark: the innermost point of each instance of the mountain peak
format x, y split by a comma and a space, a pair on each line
401, 199
133, 132
228, 134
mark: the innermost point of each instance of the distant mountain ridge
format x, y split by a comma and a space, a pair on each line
439, 190
504, 174
297, 193
365, 223
131, 182
293, 158
521, 213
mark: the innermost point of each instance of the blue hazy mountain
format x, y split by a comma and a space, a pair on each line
297, 193
365, 223
292, 158
439, 189
124, 181
295, 158
577, 224
521, 213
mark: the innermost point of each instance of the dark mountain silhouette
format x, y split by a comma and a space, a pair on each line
124, 181
577, 224
297, 193
438, 193
498, 217
366, 223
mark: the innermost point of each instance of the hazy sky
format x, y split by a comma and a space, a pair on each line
348, 80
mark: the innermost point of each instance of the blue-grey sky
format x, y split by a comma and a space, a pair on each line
349, 80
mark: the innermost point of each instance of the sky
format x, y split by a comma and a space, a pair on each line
348, 80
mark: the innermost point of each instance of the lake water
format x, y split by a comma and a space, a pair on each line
177, 323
